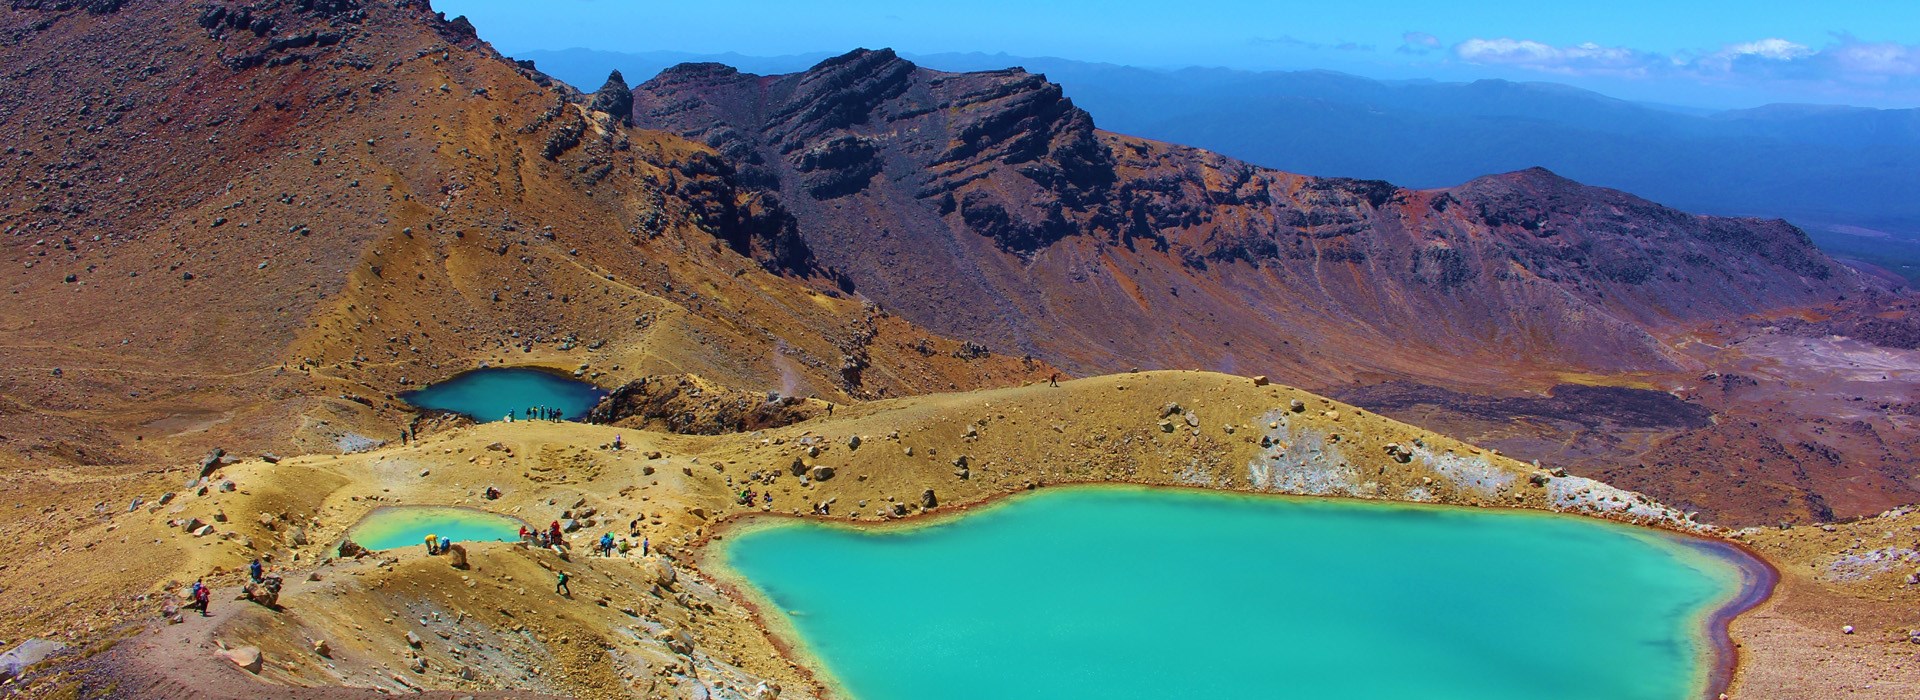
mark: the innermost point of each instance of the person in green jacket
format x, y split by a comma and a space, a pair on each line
560, 585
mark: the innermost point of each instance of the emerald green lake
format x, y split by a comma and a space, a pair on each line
408, 526
1119, 592
493, 393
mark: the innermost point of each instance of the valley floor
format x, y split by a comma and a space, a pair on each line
91, 571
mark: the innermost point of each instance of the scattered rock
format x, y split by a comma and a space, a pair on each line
1261, 380
820, 473
853, 442
413, 640
320, 647
1297, 406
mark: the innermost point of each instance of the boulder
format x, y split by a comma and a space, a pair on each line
413, 640
297, 536
320, 647
212, 461
457, 556
26, 654
1193, 421
820, 473
678, 640
1261, 380
853, 442
350, 549
928, 500
798, 467
1297, 406
661, 572
248, 658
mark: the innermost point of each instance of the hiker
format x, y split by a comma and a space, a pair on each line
525, 534
625, 546
431, 540
560, 585
644, 543
606, 545
509, 416
616, 442
202, 598
553, 532
446, 544
559, 414
1054, 380
255, 570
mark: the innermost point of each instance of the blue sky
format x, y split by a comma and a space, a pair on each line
1695, 52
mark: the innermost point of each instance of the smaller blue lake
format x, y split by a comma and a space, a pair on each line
406, 526
492, 394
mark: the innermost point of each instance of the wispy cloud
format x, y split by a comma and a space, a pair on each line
1418, 43
1298, 43
1579, 59
1846, 59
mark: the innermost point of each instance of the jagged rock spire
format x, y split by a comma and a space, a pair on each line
614, 98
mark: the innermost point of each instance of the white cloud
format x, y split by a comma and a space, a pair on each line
1776, 49
1581, 59
1844, 60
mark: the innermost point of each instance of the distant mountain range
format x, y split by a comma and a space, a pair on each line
1847, 175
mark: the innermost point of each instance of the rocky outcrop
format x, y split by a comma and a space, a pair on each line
690, 405
986, 205
614, 98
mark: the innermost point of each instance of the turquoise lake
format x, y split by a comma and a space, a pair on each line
408, 526
1119, 592
490, 394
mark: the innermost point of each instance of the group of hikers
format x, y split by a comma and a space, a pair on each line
200, 595
607, 545
438, 545
747, 497
537, 413
554, 536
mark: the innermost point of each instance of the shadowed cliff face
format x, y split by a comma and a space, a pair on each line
986, 205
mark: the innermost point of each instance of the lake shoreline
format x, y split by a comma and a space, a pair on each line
1714, 623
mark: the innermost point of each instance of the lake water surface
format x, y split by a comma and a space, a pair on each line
406, 526
1121, 592
490, 394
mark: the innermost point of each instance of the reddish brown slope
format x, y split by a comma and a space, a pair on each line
986, 205
242, 223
